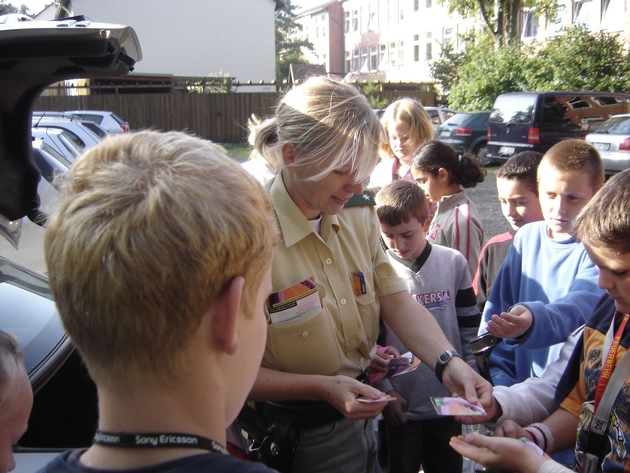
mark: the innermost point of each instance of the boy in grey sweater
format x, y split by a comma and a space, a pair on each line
437, 277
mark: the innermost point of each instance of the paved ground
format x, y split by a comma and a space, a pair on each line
485, 197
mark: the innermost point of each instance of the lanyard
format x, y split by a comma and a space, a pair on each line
609, 361
614, 380
157, 440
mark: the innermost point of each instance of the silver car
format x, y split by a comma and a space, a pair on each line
612, 140
84, 134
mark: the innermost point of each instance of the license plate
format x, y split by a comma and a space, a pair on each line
601, 146
506, 150
445, 133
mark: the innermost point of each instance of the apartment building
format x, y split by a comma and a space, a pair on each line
395, 40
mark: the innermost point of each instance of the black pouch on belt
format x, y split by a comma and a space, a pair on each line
272, 443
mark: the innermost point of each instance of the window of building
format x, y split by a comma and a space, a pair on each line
416, 5
346, 28
355, 60
393, 57
613, 15
373, 59
586, 13
416, 48
401, 53
355, 20
372, 25
428, 48
428, 4
382, 56
348, 61
364, 60
530, 24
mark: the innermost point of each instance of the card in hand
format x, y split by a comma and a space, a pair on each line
456, 406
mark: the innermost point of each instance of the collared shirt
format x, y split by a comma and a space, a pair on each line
340, 336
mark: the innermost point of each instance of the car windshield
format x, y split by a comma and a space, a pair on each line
616, 125
515, 109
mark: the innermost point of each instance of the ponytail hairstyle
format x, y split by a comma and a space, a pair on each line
463, 169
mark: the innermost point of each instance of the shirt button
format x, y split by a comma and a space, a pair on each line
362, 360
328, 261
304, 334
343, 302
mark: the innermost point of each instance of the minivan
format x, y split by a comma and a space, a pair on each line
535, 121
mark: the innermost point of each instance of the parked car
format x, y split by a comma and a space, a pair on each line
439, 115
467, 131
61, 141
111, 122
65, 407
612, 140
85, 134
535, 121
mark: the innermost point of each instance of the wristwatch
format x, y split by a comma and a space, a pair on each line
442, 361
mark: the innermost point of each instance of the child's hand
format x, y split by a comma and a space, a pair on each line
380, 362
511, 429
498, 453
394, 412
511, 324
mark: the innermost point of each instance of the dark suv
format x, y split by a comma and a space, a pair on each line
535, 121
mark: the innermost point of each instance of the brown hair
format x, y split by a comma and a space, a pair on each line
399, 201
605, 220
577, 155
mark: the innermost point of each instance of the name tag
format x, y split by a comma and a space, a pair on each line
293, 302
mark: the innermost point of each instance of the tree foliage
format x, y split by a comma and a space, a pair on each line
501, 17
288, 47
6, 8
445, 70
577, 60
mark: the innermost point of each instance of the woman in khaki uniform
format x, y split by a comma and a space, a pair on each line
332, 280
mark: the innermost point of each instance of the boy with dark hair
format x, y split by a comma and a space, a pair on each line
590, 399
517, 190
547, 284
437, 277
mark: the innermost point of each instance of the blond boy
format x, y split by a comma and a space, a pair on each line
159, 261
547, 284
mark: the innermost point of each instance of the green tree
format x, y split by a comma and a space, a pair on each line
581, 60
288, 47
502, 17
445, 70
486, 73
6, 8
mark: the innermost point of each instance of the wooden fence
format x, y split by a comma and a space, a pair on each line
219, 117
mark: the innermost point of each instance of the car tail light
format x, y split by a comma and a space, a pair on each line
489, 134
124, 127
533, 136
625, 145
461, 131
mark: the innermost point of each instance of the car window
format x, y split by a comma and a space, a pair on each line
28, 312
448, 114
616, 125
514, 109
93, 118
95, 128
457, 119
72, 137
118, 119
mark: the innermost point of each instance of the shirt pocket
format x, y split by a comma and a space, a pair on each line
306, 345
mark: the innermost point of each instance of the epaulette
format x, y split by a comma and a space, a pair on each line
360, 200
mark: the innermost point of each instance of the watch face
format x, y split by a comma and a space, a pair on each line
444, 357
